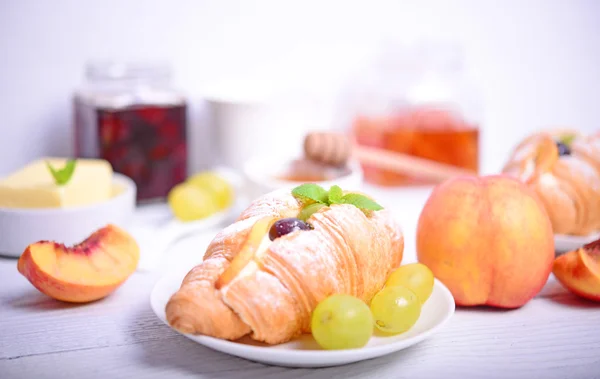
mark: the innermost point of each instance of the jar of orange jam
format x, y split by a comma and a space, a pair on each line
417, 100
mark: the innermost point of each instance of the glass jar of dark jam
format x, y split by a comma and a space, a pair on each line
132, 116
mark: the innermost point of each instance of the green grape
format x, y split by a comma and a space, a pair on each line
189, 203
395, 309
416, 277
216, 185
342, 322
308, 211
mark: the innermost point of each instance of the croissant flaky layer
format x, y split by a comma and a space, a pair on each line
568, 184
273, 296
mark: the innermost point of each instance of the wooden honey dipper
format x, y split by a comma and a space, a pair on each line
336, 149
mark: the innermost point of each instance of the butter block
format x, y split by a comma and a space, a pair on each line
34, 187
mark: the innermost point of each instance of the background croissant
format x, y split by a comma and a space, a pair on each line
272, 298
563, 167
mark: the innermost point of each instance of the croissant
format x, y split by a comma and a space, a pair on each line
250, 285
563, 168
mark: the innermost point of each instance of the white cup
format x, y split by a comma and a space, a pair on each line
248, 122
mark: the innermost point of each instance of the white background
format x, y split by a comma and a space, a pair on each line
537, 61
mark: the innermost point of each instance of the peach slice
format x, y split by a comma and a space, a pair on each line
532, 158
82, 273
579, 271
249, 252
544, 156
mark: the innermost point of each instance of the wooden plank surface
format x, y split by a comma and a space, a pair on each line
554, 336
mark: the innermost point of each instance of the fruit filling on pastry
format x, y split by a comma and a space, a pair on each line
533, 158
264, 232
260, 238
286, 226
563, 143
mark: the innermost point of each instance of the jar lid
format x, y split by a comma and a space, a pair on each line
107, 70
412, 58
117, 84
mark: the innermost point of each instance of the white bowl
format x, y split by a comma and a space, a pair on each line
260, 175
22, 227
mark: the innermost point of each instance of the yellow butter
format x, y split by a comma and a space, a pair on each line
34, 187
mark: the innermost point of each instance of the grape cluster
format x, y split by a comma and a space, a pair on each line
200, 196
346, 322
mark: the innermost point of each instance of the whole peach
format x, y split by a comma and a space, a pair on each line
488, 239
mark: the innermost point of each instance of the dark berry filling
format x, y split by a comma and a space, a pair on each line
563, 149
286, 226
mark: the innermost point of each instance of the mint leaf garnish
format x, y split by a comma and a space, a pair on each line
567, 139
335, 195
309, 210
311, 191
63, 175
361, 201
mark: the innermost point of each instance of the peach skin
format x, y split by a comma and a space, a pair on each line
85, 272
488, 239
579, 271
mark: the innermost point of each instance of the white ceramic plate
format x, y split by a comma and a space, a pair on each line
304, 351
564, 243
155, 242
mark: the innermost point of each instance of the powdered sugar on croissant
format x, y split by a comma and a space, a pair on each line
273, 296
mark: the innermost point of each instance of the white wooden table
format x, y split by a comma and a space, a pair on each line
554, 336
